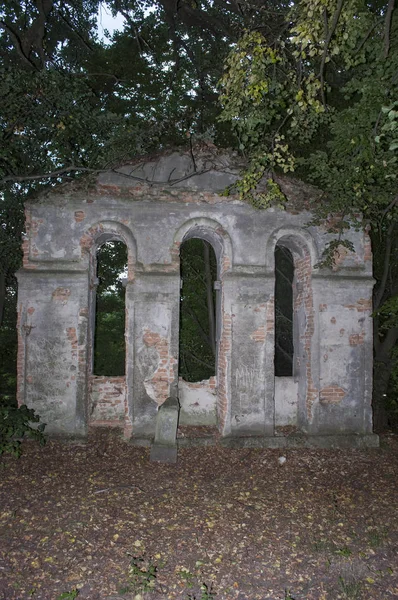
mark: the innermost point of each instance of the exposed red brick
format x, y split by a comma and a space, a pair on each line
224, 359
80, 215
367, 247
87, 239
21, 332
210, 384
332, 394
62, 294
361, 305
270, 317
259, 334
304, 298
356, 339
225, 264
107, 396
339, 256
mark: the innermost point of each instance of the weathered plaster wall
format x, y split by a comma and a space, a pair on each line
52, 347
286, 395
153, 208
198, 402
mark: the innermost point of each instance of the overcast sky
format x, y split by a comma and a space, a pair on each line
106, 21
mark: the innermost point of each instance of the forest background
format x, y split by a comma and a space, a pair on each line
307, 87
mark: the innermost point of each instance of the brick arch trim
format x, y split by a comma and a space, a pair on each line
106, 231
298, 240
211, 231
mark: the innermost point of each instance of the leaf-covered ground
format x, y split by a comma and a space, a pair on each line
99, 521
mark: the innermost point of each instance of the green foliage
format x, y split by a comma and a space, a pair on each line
389, 313
351, 588
16, 423
109, 341
8, 342
266, 103
206, 593
332, 252
142, 575
72, 595
346, 552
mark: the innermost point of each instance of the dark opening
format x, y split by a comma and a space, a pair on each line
110, 319
284, 349
198, 327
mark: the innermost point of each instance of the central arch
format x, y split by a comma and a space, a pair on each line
205, 402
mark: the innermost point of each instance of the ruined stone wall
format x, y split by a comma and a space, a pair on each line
332, 308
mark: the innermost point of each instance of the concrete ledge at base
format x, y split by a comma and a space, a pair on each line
165, 454
140, 442
331, 442
370, 440
196, 442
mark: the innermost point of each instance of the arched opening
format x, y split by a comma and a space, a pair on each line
198, 311
200, 305
110, 309
284, 346
295, 389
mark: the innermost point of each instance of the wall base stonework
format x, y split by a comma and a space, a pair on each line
294, 441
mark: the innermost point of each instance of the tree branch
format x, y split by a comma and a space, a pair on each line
202, 332
77, 33
51, 175
18, 45
368, 33
386, 266
329, 35
285, 354
197, 359
387, 27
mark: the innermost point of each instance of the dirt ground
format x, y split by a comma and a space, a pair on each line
100, 522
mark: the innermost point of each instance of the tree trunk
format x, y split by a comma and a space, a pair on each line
2, 295
383, 366
209, 296
382, 373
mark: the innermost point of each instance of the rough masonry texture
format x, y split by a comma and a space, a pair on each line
153, 206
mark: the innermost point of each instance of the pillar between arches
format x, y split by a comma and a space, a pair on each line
249, 295
152, 302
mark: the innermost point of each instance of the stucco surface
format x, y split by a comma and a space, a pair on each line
153, 207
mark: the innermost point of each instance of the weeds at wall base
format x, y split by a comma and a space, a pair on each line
15, 424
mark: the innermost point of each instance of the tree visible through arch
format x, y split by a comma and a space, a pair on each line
198, 345
109, 337
284, 274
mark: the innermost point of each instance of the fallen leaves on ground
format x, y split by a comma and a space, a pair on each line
100, 522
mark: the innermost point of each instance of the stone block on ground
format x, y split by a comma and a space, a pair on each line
164, 448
